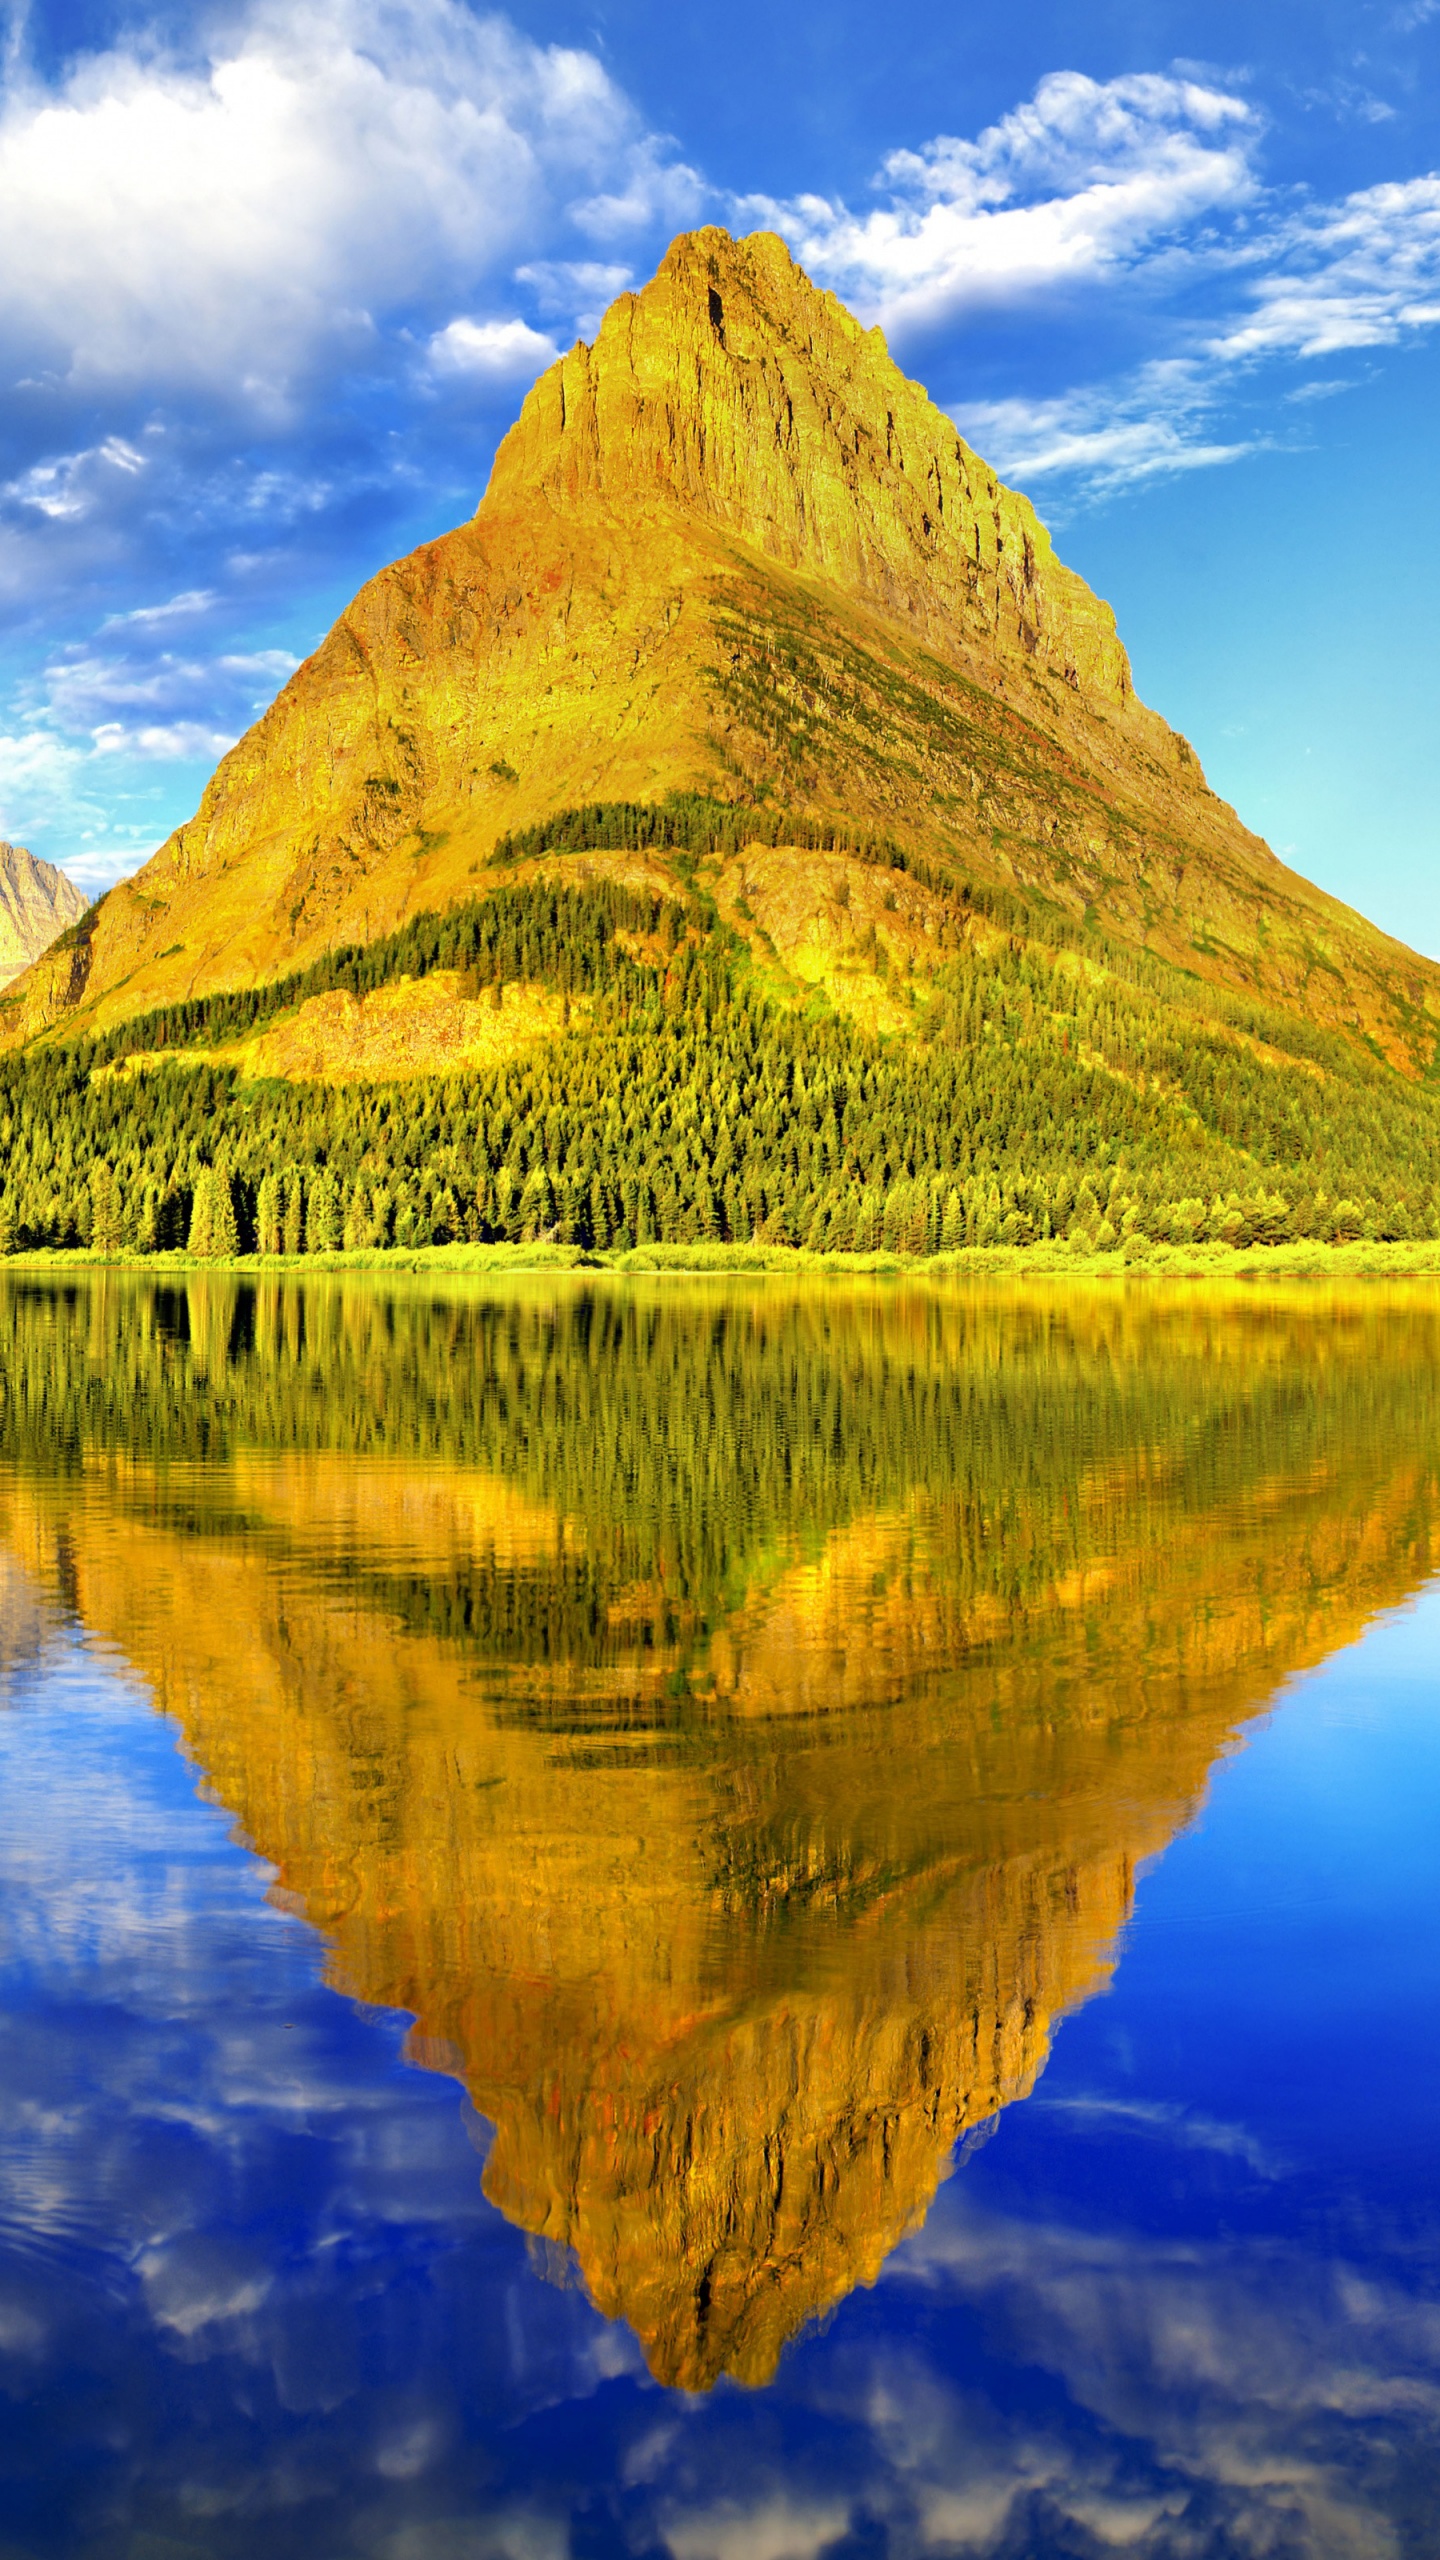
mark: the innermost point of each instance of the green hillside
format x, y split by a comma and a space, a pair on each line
1038, 1080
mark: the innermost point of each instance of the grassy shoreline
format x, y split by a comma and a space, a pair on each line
1053, 1261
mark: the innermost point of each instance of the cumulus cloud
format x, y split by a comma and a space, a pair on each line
563, 284
234, 221
260, 321
657, 189
1072, 188
269, 299
494, 350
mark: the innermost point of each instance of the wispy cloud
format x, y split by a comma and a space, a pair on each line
1096, 191
101, 731
1106, 436
181, 608
83, 690
1179, 2127
67, 486
1077, 186
1361, 273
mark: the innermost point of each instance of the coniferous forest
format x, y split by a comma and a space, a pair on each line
1056, 1084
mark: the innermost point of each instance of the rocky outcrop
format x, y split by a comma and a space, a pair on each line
37, 902
727, 548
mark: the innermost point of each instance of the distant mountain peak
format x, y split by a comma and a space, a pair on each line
36, 903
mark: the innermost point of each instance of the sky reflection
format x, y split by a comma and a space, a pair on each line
1183, 2301
249, 2279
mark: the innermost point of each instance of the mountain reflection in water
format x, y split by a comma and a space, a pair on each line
728, 1719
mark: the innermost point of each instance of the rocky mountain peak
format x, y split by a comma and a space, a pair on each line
735, 390
36, 903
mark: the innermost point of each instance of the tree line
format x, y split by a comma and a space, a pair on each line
1041, 1095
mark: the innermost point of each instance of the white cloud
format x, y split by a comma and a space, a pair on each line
270, 665
228, 222
492, 350
1104, 437
101, 735
164, 742
1071, 188
1178, 2127
67, 485
1361, 273
194, 600
81, 690
51, 791
1095, 186
656, 189
562, 284
774, 2528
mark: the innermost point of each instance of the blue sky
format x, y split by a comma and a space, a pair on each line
275, 278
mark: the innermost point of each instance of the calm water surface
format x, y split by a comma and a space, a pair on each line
716, 1923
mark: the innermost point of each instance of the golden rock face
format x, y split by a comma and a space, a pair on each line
728, 548
735, 1811
734, 393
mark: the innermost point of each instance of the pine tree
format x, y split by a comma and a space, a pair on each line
224, 1226
269, 1217
293, 1233
214, 1231
323, 1219
104, 1212
202, 1214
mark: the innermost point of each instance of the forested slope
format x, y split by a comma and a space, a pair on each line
745, 827
1000, 1077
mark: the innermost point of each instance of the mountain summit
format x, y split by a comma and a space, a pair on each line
727, 550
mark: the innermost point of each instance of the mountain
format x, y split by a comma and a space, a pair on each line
729, 1814
745, 826
728, 550
36, 903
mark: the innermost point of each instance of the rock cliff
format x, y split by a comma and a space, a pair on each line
727, 548
36, 903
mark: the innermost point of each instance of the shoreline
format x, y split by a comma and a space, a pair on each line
1298, 1260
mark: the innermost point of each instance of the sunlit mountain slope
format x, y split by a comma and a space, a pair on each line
729, 549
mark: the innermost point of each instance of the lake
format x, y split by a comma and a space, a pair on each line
718, 1921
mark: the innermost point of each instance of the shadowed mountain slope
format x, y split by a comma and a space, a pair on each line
727, 550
